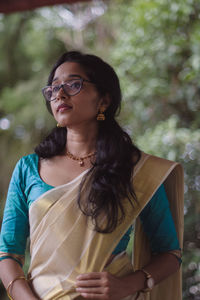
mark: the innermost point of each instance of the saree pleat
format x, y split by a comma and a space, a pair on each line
64, 243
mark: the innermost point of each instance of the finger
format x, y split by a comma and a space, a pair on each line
92, 275
95, 290
88, 283
92, 296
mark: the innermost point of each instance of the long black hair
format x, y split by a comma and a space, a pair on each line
109, 181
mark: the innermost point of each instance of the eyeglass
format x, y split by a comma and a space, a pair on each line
71, 88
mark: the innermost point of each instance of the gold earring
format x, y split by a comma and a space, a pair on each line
101, 116
58, 125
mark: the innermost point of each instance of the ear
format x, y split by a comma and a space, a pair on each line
105, 101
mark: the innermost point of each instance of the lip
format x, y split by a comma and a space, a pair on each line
63, 107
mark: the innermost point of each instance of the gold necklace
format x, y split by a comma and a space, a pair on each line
80, 159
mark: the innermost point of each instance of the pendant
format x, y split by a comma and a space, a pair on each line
81, 163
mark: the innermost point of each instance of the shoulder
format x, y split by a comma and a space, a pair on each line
28, 161
151, 165
146, 157
25, 164
151, 171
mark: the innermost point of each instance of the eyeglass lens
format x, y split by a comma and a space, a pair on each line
71, 87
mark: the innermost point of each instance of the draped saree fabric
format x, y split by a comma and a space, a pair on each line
171, 174
64, 244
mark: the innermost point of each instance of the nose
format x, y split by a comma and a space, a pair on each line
61, 94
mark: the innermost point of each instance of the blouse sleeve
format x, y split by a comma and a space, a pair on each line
158, 223
15, 225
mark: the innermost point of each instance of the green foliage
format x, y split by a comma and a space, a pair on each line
157, 57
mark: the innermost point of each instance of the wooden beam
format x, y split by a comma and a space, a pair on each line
10, 6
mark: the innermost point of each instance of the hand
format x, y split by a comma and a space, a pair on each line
100, 285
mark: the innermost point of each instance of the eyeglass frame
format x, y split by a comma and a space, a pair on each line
62, 86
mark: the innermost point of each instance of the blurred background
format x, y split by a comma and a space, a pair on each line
153, 45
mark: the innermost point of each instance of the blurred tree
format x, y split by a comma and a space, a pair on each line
157, 57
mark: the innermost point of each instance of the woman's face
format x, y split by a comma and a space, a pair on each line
81, 108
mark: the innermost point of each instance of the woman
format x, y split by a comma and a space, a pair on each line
79, 194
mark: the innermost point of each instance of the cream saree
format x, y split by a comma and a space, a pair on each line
64, 244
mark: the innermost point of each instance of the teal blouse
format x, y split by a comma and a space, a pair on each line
26, 186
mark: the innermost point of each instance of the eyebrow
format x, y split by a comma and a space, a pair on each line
71, 75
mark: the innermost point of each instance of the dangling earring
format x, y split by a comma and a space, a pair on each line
58, 125
101, 116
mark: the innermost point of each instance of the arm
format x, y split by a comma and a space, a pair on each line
20, 289
160, 267
14, 233
103, 285
158, 224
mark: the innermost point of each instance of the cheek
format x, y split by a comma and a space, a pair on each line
94, 104
53, 109
88, 104
90, 110
92, 107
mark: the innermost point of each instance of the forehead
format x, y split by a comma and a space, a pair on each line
68, 70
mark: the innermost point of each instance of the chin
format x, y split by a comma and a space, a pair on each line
64, 123
77, 122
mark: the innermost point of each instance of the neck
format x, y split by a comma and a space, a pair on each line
81, 140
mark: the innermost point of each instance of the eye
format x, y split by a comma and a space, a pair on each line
48, 92
74, 84
55, 88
